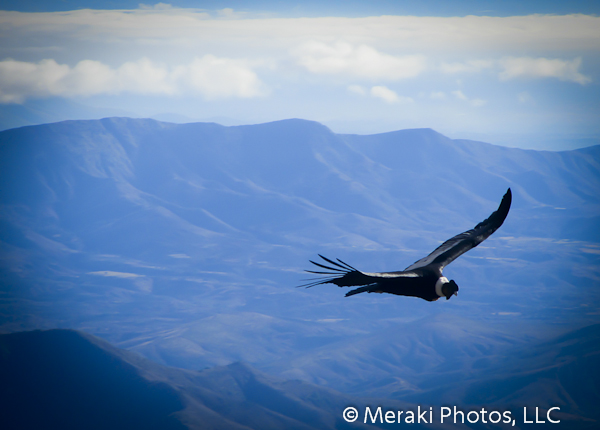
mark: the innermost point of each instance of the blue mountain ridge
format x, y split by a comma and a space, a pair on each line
182, 242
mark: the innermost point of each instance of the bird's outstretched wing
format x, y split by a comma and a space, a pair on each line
453, 248
344, 275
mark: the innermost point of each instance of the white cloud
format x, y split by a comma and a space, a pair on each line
87, 78
388, 95
209, 76
384, 93
357, 89
20, 79
473, 102
145, 77
359, 61
437, 95
229, 13
221, 77
514, 67
157, 6
564, 70
380, 92
459, 95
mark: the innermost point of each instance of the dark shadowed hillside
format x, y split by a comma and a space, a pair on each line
66, 380
63, 379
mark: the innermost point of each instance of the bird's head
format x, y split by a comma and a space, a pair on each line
450, 289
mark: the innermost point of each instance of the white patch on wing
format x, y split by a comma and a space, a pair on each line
393, 275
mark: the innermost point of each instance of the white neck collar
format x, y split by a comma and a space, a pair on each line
438, 285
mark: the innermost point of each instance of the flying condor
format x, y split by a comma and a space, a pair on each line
422, 279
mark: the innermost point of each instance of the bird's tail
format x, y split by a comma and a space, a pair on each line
359, 290
340, 274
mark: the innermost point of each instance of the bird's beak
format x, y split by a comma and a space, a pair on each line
450, 295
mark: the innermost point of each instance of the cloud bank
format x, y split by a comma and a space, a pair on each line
170, 51
549, 33
450, 73
358, 61
210, 77
564, 70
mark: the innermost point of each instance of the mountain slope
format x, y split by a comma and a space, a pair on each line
140, 229
63, 379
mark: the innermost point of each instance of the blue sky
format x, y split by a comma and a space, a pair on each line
334, 8
507, 72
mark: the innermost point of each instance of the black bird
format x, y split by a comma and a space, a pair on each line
422, 279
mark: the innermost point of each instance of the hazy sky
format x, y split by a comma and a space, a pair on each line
489, 69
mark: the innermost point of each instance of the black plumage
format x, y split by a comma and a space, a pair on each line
423, 278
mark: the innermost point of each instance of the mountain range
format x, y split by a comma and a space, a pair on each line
183, 242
